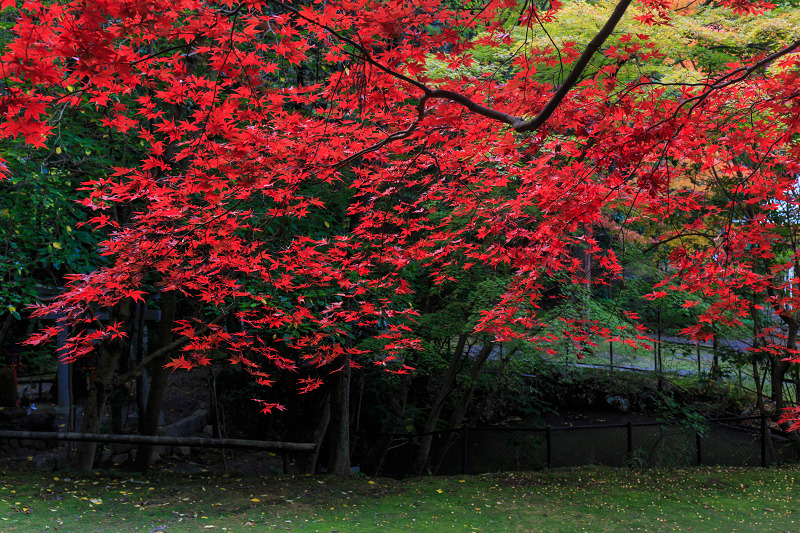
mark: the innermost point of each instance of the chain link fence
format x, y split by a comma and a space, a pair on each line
739, 441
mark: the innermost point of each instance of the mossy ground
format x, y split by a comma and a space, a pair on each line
563, 500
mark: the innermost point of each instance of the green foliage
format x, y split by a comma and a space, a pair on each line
41, 237
699, 42
670, 410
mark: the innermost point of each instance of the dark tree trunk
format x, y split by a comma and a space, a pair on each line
102, 386
148, 423
448, 384
339, 430
464, 402
397, 406
319, 435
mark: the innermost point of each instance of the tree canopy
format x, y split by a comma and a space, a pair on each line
304, 165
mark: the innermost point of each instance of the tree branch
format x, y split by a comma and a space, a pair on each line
393, 137
365, 55
668, 239
518, 123
135, 371
593, 46
521, 125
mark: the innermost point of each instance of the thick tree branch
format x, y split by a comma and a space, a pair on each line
518, 123
655, 245
740, 74
593, 46
174, 345
521, 125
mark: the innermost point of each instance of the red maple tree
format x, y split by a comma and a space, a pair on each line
258, 117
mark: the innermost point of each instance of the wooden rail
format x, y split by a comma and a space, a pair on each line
159, 440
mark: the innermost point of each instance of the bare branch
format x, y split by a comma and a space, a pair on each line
393, 137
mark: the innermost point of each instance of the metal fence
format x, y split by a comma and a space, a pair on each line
736, 441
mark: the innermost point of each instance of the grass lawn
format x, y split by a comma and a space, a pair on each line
564, 500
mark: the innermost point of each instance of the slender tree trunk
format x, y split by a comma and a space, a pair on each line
4, 329
148, 423
319, 435
757, 373
102, 386
121, 394
448, 383
464, 402
761, 409
339, 430
397, 406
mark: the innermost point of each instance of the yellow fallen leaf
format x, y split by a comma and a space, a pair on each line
439, 491
255, 500
371, 482
96, 501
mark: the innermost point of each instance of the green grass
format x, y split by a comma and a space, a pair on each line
562, 500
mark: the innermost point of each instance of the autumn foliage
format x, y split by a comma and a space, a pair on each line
300, 158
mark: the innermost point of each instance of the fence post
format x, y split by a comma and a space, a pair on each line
630, 438
410, 454
699, 365
464, 442
698, 439
763, 440
549, 444
611, 354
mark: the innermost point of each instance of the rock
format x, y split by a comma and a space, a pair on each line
208, 430
120, 458
187, 426
45, 464
105, 455
33, 444
183, 451
121, 447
